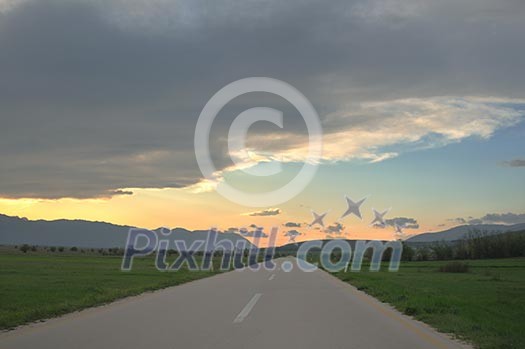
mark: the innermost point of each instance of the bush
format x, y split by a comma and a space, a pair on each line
454, 267
60, 249
73, 249
24, 248
52, 249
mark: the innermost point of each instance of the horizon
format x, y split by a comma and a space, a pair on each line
251, 233
422, 133
262, 173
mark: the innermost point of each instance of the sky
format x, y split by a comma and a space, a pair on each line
421, 104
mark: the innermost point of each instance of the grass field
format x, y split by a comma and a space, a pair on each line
485, 306
37, 286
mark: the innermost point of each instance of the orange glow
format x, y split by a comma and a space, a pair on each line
152, 208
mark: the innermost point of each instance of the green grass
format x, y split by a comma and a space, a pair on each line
485, 306
36, 286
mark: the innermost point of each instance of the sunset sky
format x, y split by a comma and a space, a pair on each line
422, 105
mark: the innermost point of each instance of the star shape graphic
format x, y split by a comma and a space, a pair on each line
379, 217
399, 228
318, 218
353, 207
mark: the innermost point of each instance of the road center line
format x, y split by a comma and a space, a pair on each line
271, 277
247, 308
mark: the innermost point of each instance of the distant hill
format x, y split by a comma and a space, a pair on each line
461, 232
80, 233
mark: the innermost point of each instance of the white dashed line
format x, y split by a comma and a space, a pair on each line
247, 308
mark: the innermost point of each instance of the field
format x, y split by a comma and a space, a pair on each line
485, 306
37, 286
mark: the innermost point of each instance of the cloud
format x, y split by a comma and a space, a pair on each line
493, 218
292, 225
504, 218
458, 220
336, 228
366, 130
380, 130
515, 163
256, 233
121, 192
267, 212
116, 88
292, 233
403, 222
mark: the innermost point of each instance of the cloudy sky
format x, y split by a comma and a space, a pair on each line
422, 105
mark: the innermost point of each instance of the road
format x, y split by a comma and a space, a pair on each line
239, 309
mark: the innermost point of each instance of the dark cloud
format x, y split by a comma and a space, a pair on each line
267, 212
292, 233
493, 218
258, 232
505, 218
515, 163
292, 225
458, 220
98, 96
121, 192
336, 228
403, 222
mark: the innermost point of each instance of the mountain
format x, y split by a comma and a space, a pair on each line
462, 231
80, 233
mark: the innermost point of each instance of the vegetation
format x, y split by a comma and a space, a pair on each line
477, 245
39, 285
484, 305
454, 267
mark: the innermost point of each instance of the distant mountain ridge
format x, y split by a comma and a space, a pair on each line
88, 234
462, 232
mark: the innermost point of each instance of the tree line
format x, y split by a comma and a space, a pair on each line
477, 245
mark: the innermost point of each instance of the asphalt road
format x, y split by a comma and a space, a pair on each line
240, 309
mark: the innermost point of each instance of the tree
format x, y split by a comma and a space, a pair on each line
24, 248
408, 252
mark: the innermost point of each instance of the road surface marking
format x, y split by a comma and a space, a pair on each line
271, 277
247, 308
